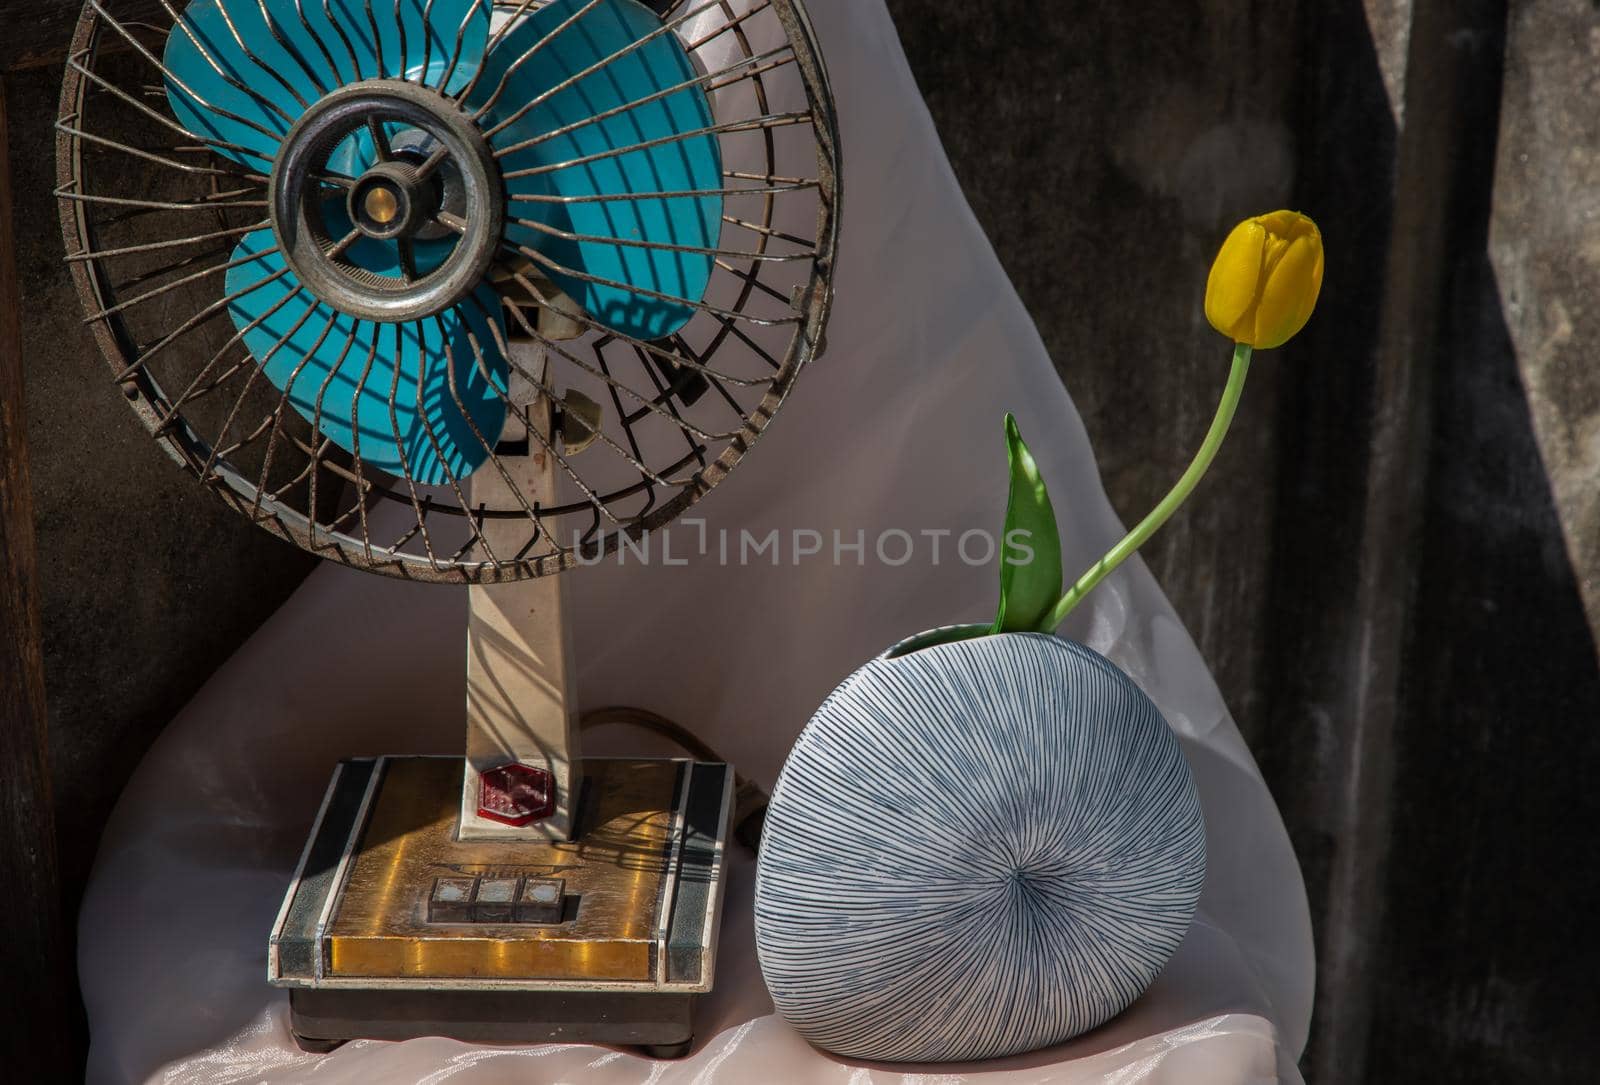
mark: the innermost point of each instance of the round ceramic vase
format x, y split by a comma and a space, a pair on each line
975, 850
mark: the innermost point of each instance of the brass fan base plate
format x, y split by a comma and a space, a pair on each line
393, 928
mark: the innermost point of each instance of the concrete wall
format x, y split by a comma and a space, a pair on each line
146, 582
1395, 571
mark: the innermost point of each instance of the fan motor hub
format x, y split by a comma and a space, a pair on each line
391, 201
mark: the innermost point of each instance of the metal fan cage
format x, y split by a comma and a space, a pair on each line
150, 215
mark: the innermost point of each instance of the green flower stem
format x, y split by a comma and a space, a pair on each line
1169, 505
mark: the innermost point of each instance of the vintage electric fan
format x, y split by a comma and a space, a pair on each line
466, 292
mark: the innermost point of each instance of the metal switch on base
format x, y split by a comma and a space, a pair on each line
497, 900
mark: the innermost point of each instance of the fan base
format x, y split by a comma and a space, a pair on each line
322, 1020
393, 928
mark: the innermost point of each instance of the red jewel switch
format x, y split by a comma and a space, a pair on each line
516, 795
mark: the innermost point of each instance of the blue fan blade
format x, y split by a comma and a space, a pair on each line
341, 372
690, 164
241, 71
439, 42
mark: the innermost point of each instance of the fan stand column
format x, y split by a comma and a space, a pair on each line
519, 781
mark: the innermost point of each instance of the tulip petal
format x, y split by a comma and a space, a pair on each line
1290, 293
1235, 279
1289, 225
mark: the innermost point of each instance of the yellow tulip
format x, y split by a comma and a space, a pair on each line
1266, 280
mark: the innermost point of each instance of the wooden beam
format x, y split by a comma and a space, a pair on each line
32, 947
1444, 172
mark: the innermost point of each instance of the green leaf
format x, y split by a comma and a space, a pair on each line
1030, 584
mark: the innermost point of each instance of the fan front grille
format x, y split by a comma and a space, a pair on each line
154, 216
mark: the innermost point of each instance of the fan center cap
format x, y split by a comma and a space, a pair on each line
435, 182
390, 200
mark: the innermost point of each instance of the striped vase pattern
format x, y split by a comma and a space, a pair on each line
976, 850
